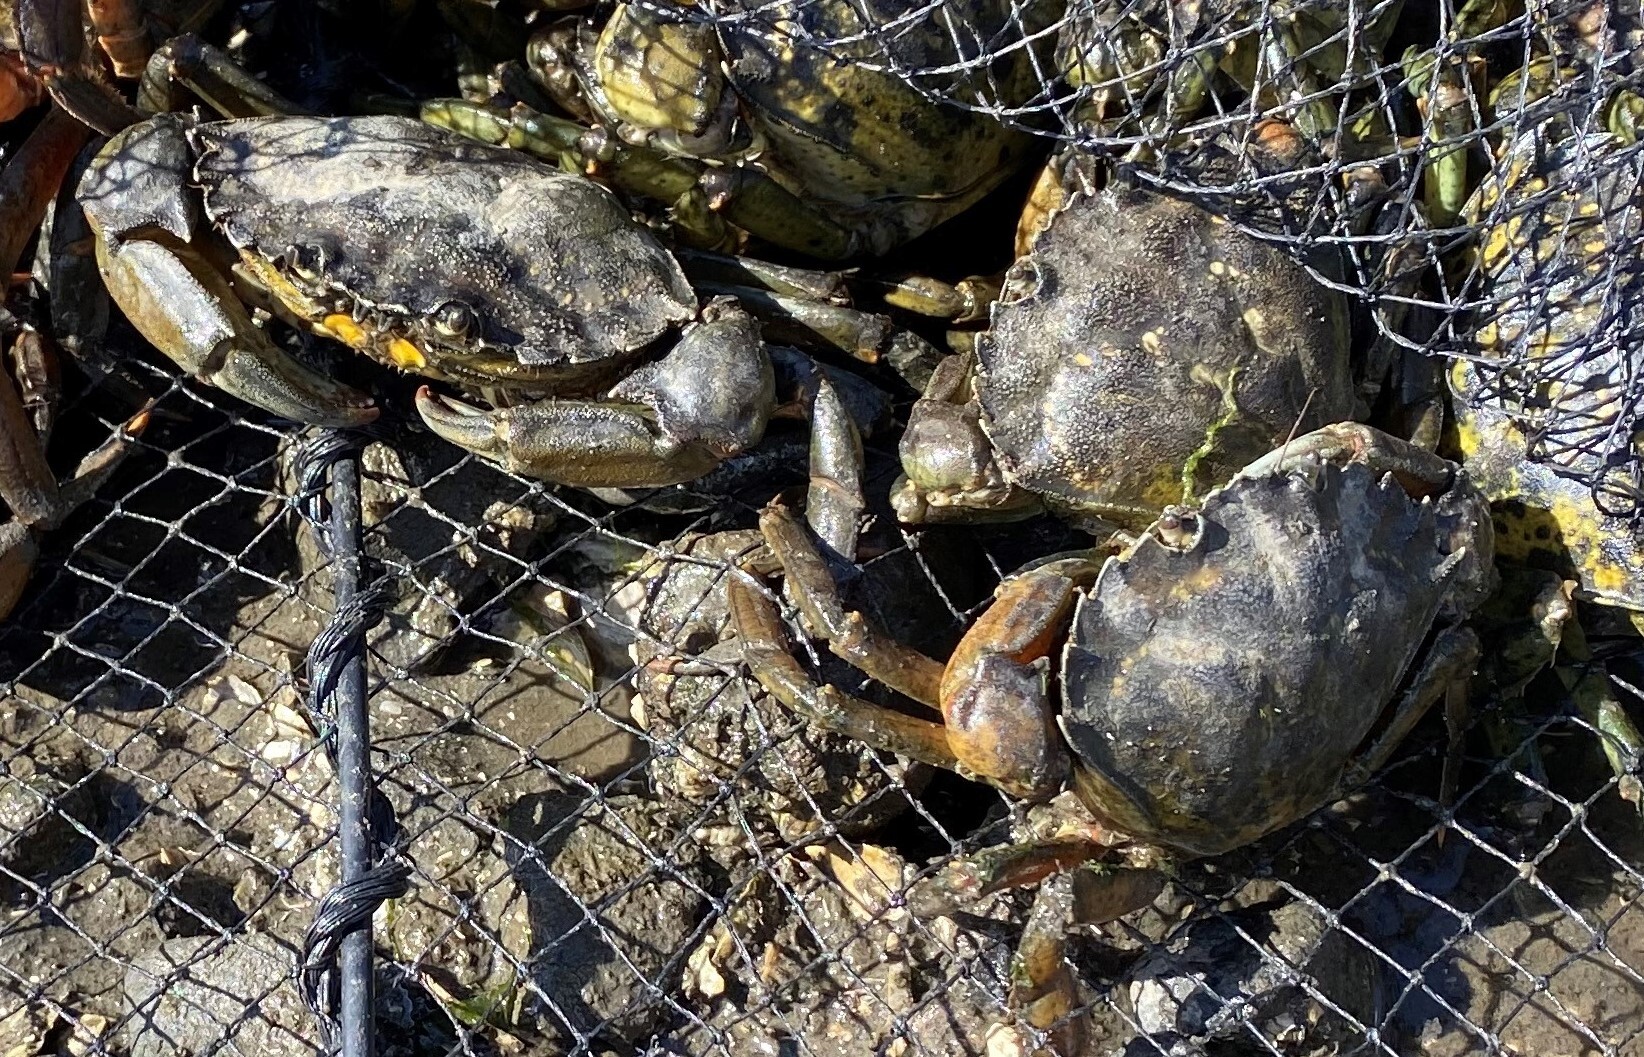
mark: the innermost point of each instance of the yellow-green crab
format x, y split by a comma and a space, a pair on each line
1547, 413
815, 126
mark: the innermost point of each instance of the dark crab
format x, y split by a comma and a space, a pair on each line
435, 255
1137, 678
1142, 350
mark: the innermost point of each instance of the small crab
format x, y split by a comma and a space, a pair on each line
1142, 350
1139, 681
795, 121
435, 255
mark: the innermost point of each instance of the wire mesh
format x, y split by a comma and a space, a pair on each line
616, 841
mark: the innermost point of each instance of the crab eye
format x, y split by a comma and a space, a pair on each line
455, 320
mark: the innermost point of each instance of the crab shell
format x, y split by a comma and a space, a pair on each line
865, 137
387, 221
1144, 344
1563, 323
1217, 689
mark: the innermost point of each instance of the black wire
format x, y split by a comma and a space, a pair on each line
348, 906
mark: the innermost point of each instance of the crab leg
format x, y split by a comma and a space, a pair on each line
1449, 662
848, 633
584, 443
32, 364
834, 507
17, 554
1073, 889
32, 493
765, 649
834, 499
209, 73
53, 41
1618, 736
19, 89
26, 481
997, 727
31, 178
967, 301
1418, 471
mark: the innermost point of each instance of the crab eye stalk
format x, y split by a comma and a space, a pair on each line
1177, 527
305, 262
455, 320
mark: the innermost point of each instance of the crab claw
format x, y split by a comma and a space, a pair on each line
667, 422
187, 310
135, 200
585, 444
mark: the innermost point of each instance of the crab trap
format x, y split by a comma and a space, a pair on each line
997, 527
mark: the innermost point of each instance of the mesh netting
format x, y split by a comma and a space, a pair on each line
615, 840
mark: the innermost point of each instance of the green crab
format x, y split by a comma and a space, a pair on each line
1156, 63
435, 255
1546, 412
1141, 351
1130, 675
794, 121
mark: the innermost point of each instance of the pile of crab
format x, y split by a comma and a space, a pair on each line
1316, 320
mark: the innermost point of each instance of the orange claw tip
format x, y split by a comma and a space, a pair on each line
137, 423
429, 400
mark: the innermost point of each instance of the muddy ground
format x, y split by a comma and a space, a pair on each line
167, 820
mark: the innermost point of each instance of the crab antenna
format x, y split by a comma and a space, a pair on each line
1284, 449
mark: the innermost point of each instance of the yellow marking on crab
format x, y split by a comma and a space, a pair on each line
1608, 579
406, 356
1458, 376
1083, 359
1595, 246
1218, 269
341, 326
1589, 209
1196, 583
1151, 342
1254, 319
1501, 236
